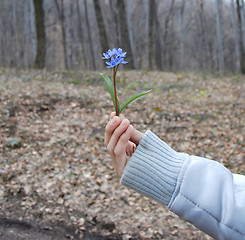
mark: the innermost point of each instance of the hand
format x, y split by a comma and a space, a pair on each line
121, 140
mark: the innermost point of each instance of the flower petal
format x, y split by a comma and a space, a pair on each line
115, 57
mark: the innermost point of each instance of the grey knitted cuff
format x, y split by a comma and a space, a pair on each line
153, 169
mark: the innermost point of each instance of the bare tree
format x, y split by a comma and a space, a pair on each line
130, 28
89, 36
147, 21
220, 38
16, 48
167, 44
158, 39
182, 36
152, 9
69, 34
242, 60
201, 26
27, 27
80, 32
101, 26
242, 7
2, 55
234, 23
41, 37
61, 15
114, 22
33, 33
6, 44
1, 49
124, 33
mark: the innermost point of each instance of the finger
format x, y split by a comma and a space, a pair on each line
120, 150
113, 114
110, 127
121, 116
116, 135
130, 148
121, 145
136, 137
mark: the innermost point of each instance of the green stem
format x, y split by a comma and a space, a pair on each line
116, 68
115, 89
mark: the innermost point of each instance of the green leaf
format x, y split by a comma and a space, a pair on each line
111, 90
203, 92
132, 99
14, 143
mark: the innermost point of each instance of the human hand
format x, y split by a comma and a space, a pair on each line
121, 140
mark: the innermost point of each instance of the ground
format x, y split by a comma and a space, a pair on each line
57, 181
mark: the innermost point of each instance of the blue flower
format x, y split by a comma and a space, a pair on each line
112, 63
107, 55
118, 58
121, 53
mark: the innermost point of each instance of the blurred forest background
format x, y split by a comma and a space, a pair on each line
167, 35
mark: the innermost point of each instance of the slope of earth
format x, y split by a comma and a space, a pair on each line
56, 177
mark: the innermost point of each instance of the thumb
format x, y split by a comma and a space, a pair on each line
136, 137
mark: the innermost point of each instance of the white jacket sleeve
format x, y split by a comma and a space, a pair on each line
201, 191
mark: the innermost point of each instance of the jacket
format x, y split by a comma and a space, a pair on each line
201, 191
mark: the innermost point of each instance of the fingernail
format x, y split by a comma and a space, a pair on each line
131, 127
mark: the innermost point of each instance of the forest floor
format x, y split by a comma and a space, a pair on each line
56, 178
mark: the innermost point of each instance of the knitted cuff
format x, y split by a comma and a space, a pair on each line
153, 169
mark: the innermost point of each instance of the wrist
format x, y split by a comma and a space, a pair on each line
153, 169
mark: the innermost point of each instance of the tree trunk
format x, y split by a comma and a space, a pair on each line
114, 22
33, 32
68, 29
220, 38
1, 45
171, 45
80, 32
150, 33
242, 60
166, 50
204, 59
41, 37
147, 31
234, 23
27, 33
89, 36
182, 37
16, 49
243, 23
101, 26
130, 29
124, 33
158, 42
61, 15
6, 47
